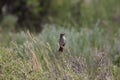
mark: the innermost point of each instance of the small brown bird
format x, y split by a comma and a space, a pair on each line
62, 42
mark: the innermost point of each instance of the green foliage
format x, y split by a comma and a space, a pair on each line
68, 13
35, 6
99, 10
85, 13
115, 73
10, 21
89, 53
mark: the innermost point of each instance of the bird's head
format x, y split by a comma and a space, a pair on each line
62, 34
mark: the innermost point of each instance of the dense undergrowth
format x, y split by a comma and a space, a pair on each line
90, 54
92, 51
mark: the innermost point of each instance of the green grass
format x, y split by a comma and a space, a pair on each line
89, 54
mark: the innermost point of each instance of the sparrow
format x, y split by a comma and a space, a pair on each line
62, 42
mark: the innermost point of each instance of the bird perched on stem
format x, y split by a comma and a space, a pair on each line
62, 42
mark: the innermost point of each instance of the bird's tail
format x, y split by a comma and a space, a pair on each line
61, 49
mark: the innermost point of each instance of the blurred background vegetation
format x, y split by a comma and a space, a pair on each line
29, 33
33, 14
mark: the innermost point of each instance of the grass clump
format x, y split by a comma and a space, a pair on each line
89, 54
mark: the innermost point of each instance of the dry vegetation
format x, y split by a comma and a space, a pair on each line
90, 54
